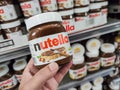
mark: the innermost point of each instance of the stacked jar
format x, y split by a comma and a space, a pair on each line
65, 8
92, 56
7, 11
78, 70
12, 29
30, 7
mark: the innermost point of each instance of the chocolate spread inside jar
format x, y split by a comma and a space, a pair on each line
30, 7
78, 70
7, 80
48, 40
12, 29
7, 11
107, 55
93, 61
19, 66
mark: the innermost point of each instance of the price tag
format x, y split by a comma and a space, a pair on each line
6, 43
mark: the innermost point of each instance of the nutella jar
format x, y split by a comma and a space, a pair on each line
12, 29
48, 40
7, 80
30, 7
93, 61
81, 3
104, 11
1, 35
19, 66
81, 18
68, 20
95, 15
107, 55
78, 70
48, 5
7, 11
65, 4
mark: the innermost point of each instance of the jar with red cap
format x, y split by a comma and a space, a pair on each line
107, 55
48, 5
7, 11
12, 29
68, 20
81, 18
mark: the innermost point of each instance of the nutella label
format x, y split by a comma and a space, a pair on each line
93, 66
48, 5
7, 13
1, 37
50, 48
80, 22
14, 34
30, 8
95, 19
64, 4
8, 84
106, 62
18, 77
81, 2
78, 74
69, 25
104, 16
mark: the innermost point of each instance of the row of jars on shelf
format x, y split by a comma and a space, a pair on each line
93, 60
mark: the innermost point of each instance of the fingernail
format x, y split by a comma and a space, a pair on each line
53, 67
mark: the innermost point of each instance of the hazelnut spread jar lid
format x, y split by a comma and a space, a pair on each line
107, 48
98, 87
48, 40
78, 60
10, 25
98, 81
78, 50
86, 86
93, 45
92, 54
3, 70
81, 10
19, 65
66, 12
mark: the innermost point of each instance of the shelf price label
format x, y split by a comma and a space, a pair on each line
6, 43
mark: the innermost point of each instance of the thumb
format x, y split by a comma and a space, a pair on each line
43, 75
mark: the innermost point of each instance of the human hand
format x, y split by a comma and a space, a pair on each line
47, 78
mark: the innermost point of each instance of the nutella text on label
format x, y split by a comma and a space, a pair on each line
93, 66
104, 11
106, 62
8, 84
69, 25
78, 74
50, 48
64, 4
30, 8
7, 13
48, 5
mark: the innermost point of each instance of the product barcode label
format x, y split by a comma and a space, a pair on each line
6, 43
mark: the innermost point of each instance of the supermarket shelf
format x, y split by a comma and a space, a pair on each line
68, 83
15, 54
22, 44
112, 26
